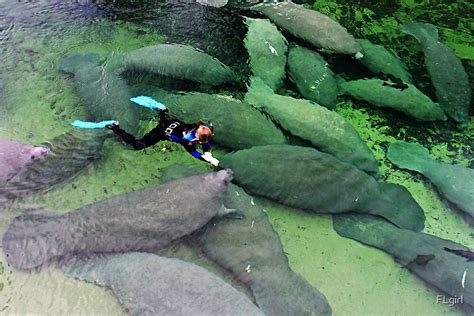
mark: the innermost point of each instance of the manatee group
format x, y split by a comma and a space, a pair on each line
251, 251
137, 221
324, 129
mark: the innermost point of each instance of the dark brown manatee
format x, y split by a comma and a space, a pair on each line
144, 220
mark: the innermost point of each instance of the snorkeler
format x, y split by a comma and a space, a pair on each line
188, 135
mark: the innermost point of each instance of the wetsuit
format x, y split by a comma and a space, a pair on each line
168, 129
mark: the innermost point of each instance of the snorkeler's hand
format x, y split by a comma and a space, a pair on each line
207, 156
115, 124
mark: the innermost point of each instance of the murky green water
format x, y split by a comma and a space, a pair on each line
37, 104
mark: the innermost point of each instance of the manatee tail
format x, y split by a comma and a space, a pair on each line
421, 31
33, 238
395, 203
73, 63
410, 156
257, 91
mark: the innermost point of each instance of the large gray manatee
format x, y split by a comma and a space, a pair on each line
147, 284
144, 220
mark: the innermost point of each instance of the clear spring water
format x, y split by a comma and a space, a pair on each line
37, 103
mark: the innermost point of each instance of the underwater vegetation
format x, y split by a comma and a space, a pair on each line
272, 125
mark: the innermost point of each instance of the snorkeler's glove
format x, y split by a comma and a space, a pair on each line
207, 156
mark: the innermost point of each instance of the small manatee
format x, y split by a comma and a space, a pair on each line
143, 220
16, 157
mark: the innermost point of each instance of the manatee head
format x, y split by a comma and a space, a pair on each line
214, 184
38, 153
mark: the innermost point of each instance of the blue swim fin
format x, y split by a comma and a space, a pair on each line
83, 124
148, 102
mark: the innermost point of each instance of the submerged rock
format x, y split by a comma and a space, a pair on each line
410, 101
311, 26
143, 220
379, 60
312, 76
267, 49
106, 95
422, 254
456, 183
181, 62
447, 73
236, 124
325, 129
305, 178
147, 284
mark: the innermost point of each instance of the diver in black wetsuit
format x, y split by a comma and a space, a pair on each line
188, 135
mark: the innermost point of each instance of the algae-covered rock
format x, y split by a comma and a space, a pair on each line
181, 62
456, 183
267, 49
423, 254
106, 95
311, 180
252, 252
147, 284
69, 154
446, 71
379, 60
312, 76
236, 124
311, 26
325, 129
410, 101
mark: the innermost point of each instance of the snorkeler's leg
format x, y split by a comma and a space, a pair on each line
128, 138
154, 136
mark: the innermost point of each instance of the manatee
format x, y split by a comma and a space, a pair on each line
236, 124
181, 62
446, 71
138, 221
69, 154
213, 3
410, 101
106, 95
251, 251
147, 284
379, 60
447, 271
455, 182
267, 49
325, 129
311, 26
305, 178
16, 157
312, 76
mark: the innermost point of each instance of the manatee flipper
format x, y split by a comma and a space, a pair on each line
72, 63
33, 238
230, 213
